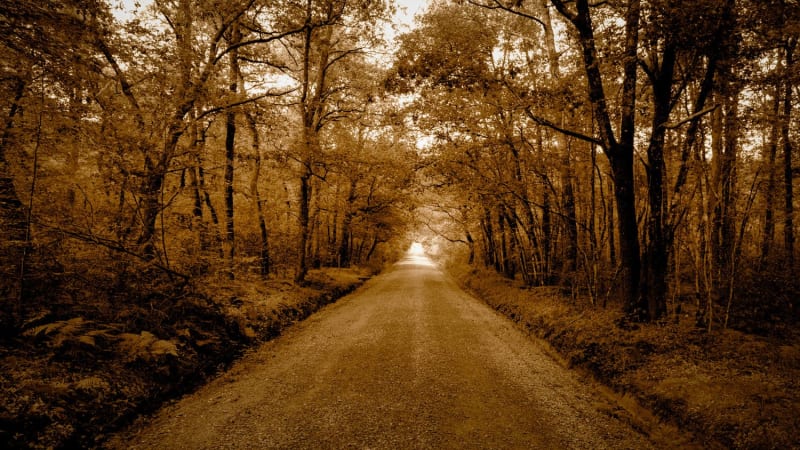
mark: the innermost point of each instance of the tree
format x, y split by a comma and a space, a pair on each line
326, 43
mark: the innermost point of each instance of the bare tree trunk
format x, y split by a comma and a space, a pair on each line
304, 220
653, 288
230, 153
264, 258
13, 225
788, 223
769, 195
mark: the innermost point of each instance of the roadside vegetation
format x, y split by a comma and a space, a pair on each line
726, 388
88, 366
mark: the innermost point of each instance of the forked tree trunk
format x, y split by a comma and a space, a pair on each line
620, 152
653, 290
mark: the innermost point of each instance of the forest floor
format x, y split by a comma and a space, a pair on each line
727, 388
89, 363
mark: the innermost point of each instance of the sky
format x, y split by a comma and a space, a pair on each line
406, 10
403, 18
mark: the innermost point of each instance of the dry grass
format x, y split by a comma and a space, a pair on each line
726, 388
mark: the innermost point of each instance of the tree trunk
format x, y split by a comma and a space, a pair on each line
264, 259
311, 109
630, 270
724, 148
653, 289
490, 247
345, 250
303, 219
201, 177
230, 153
570, 213
769, 195
612, 242
525, 204
12, 227
509, 242
567, 174
620, 152
788, 221
150, 206
471, 244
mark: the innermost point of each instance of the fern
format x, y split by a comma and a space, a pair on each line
62, 327
145, 346
92, 384
58, 334
75, 334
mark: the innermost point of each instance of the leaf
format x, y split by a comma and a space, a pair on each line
92, 384
87, 339
145, 346
204, 342
62, 332
162, 347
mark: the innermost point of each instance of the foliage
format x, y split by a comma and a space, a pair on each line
68, 382
518, 130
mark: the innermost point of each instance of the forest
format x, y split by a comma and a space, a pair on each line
163, 164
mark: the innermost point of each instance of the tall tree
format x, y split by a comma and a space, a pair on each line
327, 42
618, 146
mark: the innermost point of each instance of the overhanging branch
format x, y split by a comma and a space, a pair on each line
243, 102
671, 126
113, 245
571, 133
496, 4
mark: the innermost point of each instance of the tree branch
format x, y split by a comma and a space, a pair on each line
571, 133
112, 245
696, 115
500, 6
265, 40
243, 102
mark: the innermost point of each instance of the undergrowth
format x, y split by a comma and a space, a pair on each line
726, 388
106, 349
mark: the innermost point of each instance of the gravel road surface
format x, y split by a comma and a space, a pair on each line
407, 361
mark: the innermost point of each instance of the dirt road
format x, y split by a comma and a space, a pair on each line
408, 361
